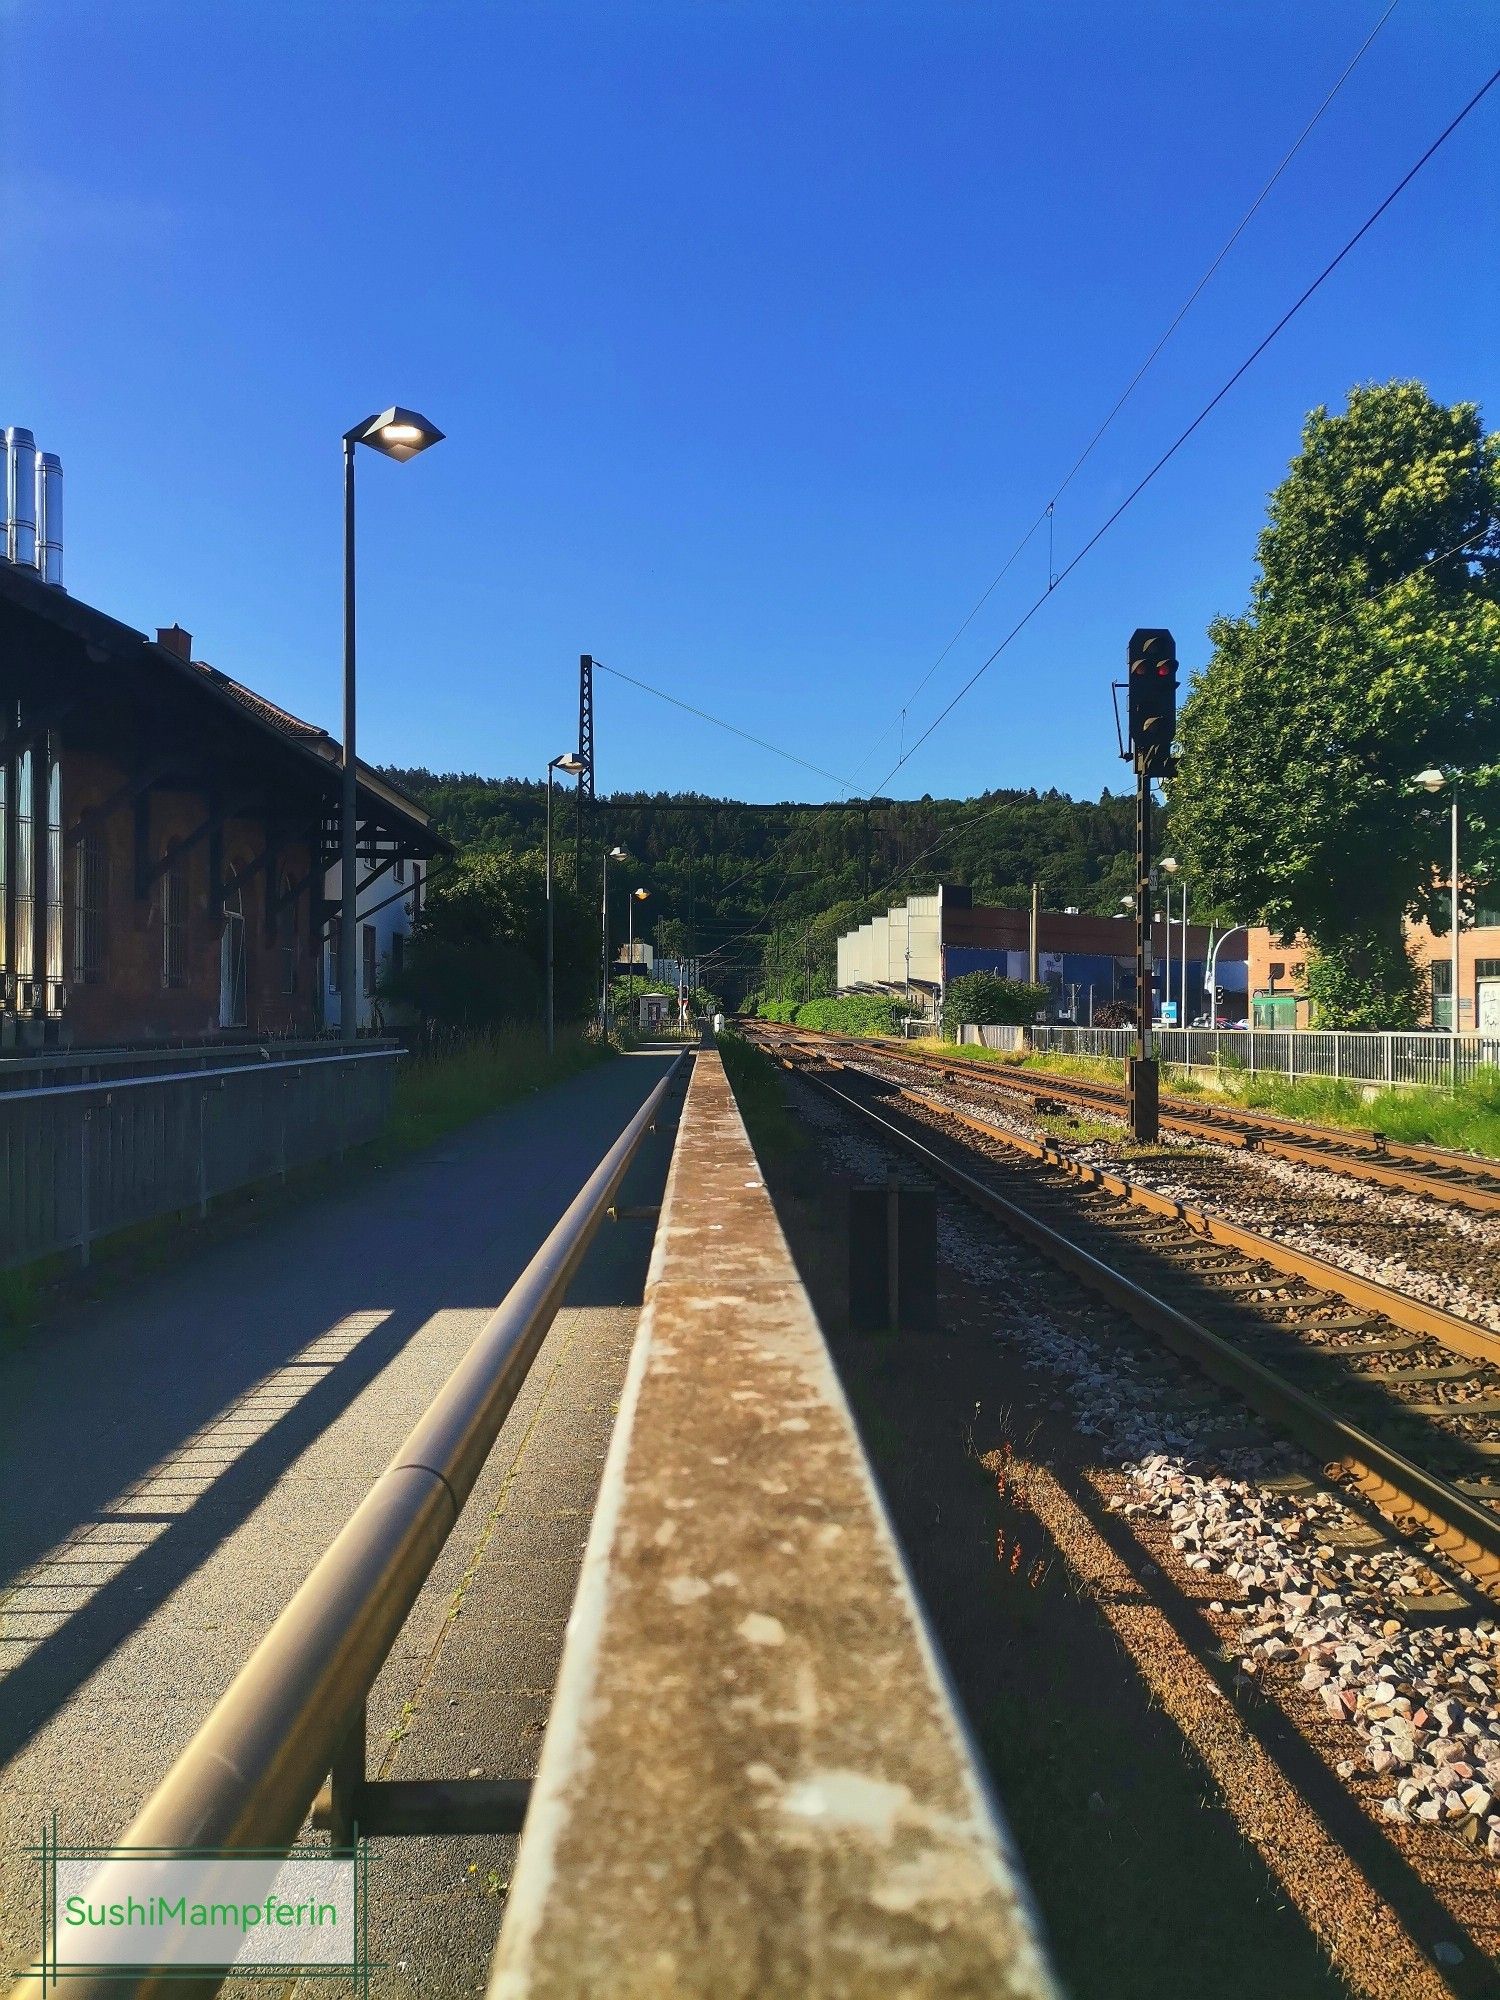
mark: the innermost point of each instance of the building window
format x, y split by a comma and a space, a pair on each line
367, 957
174, 907
53, 969
25, 954
335, 950
90, 906
232, 996
1442, 993
400, 869
416, 891
398, 952
1486, 908
5, 992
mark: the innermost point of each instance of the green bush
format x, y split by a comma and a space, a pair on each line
990, 1001
855, 1014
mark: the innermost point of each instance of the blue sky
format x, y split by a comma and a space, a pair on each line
760, 331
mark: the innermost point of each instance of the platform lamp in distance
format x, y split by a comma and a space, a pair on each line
572, 763
398, 434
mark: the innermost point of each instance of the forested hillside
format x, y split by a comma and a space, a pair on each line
761, 891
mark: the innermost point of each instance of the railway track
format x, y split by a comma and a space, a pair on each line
1398, 1396
1458, 1179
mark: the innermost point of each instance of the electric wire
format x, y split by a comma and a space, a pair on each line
1135, 381
1208, 408
718, 722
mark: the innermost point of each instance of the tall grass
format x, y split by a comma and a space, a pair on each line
756, 1083
1467, 1120
443, 1087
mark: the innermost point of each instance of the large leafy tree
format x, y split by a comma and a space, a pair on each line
478, 955
1370, 650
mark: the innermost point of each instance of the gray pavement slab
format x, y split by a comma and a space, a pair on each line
174, 1459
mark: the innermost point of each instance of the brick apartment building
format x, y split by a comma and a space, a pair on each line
166, 836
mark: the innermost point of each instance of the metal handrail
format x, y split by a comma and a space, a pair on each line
52, 1091
250, 1774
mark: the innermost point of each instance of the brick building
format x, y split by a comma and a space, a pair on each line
1278, 974
166, 836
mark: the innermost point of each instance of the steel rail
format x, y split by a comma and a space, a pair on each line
1434, 1172
249, 1776
1402, 1490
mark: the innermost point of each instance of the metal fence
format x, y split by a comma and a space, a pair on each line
78, 1160
1359, 1058
32, 1069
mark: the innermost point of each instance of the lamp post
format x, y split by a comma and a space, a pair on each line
572, 763
1434, 781
636, 896
611, 854
1210, 977
1169, 868
399, 434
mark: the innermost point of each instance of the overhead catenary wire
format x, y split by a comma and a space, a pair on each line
1208, 408
1329, 625
1047, 514
733, 728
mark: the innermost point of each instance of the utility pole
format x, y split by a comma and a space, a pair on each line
1151, 682
1033, 961
585, 797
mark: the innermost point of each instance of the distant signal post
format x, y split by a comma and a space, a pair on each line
1152, 709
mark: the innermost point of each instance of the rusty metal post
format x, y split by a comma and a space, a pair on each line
1140, 1069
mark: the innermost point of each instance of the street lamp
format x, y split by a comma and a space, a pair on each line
572, 763
1434, 781
399, 434
611, 854
1169, 867
1211, 976
636, 896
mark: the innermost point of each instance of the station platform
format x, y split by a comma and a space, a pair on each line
179, 1455
754, 1780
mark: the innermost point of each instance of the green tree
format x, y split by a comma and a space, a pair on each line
986, 999
477, 955
1370, 649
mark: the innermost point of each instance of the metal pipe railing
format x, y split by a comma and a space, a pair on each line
250, 1774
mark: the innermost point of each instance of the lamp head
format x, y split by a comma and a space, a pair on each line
640, 895
399, 433
1431, 781
1169, 863
569, 761
617, 854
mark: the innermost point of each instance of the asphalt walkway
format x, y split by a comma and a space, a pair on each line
173, 1460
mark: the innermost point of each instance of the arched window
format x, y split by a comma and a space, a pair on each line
232, 962
25, 956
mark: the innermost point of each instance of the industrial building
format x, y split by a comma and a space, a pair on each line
1086, 962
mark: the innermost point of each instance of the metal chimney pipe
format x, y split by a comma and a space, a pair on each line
20, 496
49, 518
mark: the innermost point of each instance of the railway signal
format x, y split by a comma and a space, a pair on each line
1151, 707
1152, 700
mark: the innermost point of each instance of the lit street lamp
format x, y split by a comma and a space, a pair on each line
1434, 781
636, 896
572, 763
399, 434
611, 854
